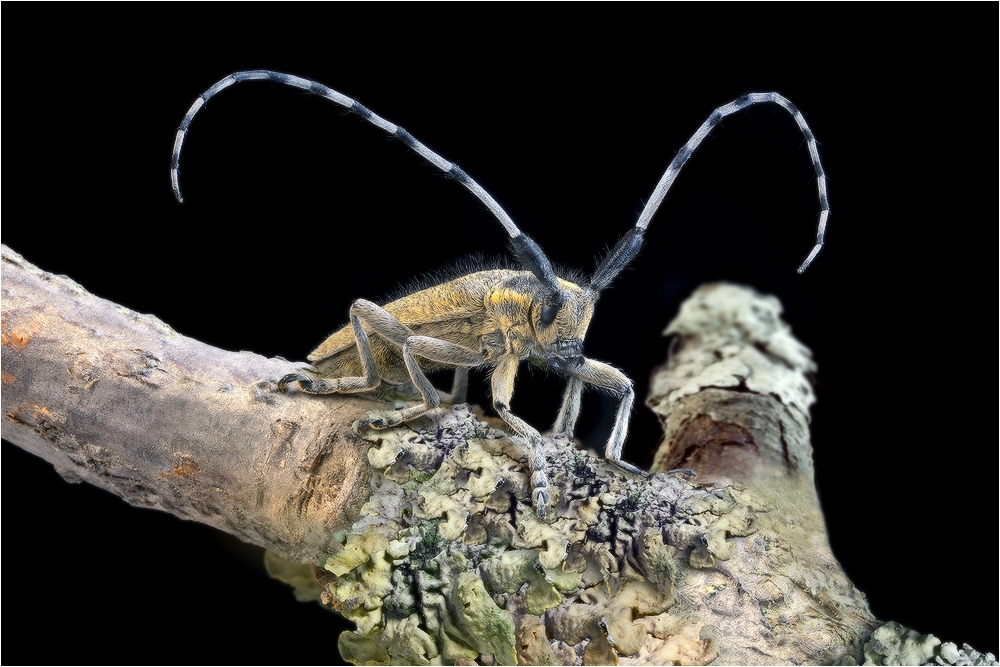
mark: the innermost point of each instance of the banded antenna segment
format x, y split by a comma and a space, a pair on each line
451, 170
660, 191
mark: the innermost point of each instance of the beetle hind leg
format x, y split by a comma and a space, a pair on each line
370, 381
435, 350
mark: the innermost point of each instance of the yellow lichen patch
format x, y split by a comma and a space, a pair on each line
435, 505
714, 547
657, 559
622, 633
673, 641
609, 619
532, 644
634, 599
383, 456
575, 622
701, 558
512, 569
586, 513
398, 549
599, 652
436, 570
475, 533
407, 642
714, 587
534, 533
739, 522
296, 575
452, 646
357, 550
563, 580
643, 598
360, 594
541, 596
486, 474
365, 649
601, 563
7, 378
484, 483
444, 482
485, 625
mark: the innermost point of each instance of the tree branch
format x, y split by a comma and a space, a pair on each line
426, 538
120, 400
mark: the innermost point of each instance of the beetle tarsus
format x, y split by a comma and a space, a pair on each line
292, 378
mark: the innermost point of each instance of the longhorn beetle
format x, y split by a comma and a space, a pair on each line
493, 318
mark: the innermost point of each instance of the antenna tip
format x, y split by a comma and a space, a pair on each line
175, 185
812, 255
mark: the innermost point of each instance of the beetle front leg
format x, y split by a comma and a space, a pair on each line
502, 385
608, 377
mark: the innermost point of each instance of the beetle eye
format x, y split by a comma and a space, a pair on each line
549, 312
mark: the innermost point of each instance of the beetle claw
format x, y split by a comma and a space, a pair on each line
289, 379
375, 423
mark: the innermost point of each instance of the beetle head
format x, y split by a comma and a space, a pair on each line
561, 314
560, 323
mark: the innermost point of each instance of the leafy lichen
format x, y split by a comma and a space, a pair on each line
894, 644
450, 562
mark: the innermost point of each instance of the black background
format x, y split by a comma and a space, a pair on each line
293, 210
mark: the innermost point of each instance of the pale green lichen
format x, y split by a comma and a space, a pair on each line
533, 643
449, 557
365, 649
356, 551
300, 577
491, 630
512, 569
672, 640
893, 644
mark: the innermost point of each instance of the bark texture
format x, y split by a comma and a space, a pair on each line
118, 399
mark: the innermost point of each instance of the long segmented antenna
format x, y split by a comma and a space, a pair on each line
728, 109
524, 247
451, 169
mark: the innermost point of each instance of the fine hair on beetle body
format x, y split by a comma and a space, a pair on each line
490, 317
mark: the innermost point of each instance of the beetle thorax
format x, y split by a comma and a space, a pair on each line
515, 308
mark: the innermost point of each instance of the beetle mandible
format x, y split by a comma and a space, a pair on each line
492, 318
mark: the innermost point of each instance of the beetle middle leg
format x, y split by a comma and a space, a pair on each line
386, 327
431, 349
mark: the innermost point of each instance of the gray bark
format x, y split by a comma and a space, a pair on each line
119, 400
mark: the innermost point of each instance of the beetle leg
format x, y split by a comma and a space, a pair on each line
384, 325
502, 386
432, 349
459, 387
610, 378
569, 411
